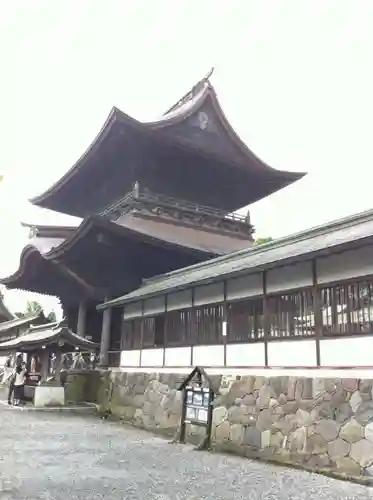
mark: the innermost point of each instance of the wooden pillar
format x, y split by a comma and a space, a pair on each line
105, 338
224, 331
317, 312
82, 317
266, 318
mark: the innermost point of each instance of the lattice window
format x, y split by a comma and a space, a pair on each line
148, 332
178, 327
245, 321
291, 315
209, 324
131, 334
347, 308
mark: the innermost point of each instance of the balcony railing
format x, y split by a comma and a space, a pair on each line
128, 202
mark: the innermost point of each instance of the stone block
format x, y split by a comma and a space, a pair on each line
222, 432
138, 417
303, 418
239, 389
362, 452
266, 439
350, 384
248, 400
252, 437
364, 413
259, 382
328, 429
282, 399
306, 404
264, 420
365, 389
343, 412
285, 424
315, 444
355, 401
369, 432
338, 397
236, 414
347, 465
219, 415
276, 440
299, 386
278, 385
319, 461
338, 448
326, 410
352, 431
236, 434
48, 396
290, 393
297, 440
265, 394
290, 407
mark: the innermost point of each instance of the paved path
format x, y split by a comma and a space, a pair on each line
67, 456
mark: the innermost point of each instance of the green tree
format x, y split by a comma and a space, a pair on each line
52, 318
262, 241
33, 307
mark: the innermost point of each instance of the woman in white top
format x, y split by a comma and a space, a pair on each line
19, 384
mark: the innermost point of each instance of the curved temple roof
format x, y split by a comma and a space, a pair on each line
49, 334
5, 314
175, 127
159, 233
342, 233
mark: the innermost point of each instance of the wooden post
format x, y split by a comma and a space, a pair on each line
225, 322
105, 337
266, 318
165, 331
193, 329
317, 312
82, 316
141, 331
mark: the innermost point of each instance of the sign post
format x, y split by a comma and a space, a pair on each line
198, 399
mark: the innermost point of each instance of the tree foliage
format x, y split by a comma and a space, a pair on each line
52, 318
262, 241
33, 307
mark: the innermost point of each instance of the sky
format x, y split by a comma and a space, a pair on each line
294, 78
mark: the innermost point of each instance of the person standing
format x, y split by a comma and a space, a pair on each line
19, 384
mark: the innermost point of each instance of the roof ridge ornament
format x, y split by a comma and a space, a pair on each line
197, 87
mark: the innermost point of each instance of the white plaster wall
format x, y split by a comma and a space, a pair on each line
178, 356
152, 357
49, 396
295, 353
352, 352
130, 358
208, 355
246, 354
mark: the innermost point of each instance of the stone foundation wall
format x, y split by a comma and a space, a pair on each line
318, 423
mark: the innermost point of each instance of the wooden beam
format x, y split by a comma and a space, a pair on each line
91, 291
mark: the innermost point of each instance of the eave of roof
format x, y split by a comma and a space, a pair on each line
336, 234
4, 311
15, 322
52, 252
173, 117
47, 336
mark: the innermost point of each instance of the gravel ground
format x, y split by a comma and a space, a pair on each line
68, 456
